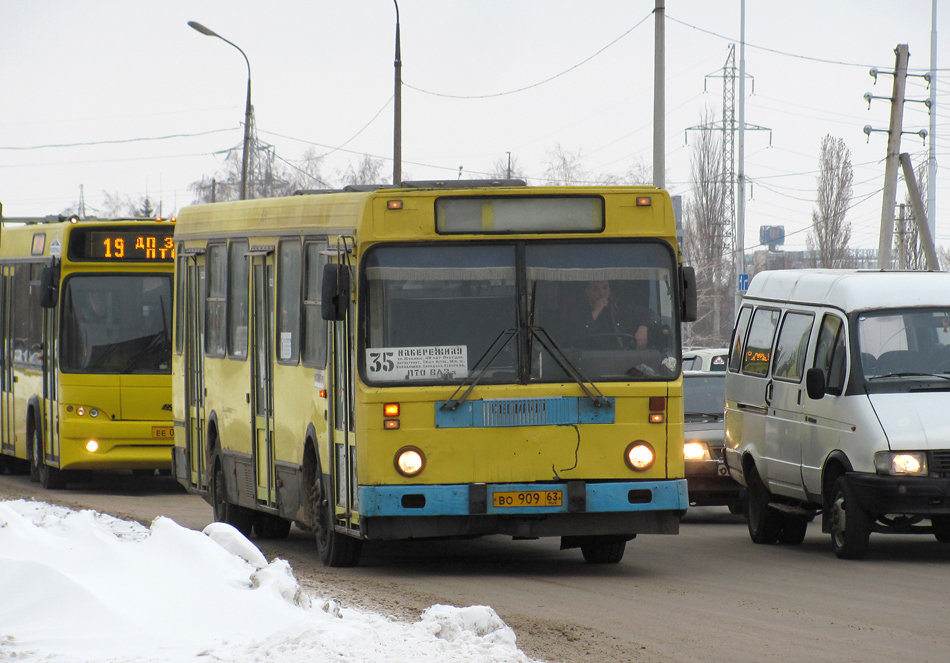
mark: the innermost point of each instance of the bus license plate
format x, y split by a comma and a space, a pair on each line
527, 498
163, 431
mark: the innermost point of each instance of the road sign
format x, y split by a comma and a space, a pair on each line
743, 282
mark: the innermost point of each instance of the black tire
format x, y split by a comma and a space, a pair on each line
941, 527
765, 524
603, 552
51, 478
269, 526
850, 524
336, 549
241, 518
793, 531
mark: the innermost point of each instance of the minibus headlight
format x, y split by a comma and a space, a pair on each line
639, 456
410, 461
696, 451
901, 463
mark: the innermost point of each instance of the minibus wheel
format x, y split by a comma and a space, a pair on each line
765, 524
793, 531
850, 524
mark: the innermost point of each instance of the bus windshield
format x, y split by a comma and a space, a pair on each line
116, 324
605, 310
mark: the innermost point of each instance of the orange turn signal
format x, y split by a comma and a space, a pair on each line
391, 424
391, 409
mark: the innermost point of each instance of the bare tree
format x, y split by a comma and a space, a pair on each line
830, 231
705, 244
507, 167
565, 168
368, 170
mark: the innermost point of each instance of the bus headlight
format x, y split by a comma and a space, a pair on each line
92, 446
696, 451
901, 463
639, 456
410, 461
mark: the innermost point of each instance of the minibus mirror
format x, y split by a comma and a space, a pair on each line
336, 292
815, 383
48, 282
689, 294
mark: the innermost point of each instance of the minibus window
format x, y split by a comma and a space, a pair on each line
831, 353
791, 346
758, 352
738, 336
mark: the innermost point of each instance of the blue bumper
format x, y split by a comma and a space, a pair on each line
477, 499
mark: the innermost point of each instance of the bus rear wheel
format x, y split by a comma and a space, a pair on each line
336, 549
240, 518
51, 478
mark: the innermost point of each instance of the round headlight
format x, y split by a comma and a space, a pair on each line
92, 446
93, 413
80, 410
410, 461
639, 456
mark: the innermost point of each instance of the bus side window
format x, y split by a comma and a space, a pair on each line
238, 298
831, 354
216, 301
314, 349
288, 301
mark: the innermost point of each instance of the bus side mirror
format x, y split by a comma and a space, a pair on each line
48, 287
335, 294
815, 383
689, 294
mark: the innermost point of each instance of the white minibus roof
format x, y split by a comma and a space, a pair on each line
852, 290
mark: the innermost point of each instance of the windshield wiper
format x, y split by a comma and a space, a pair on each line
910, 375
544, 338
477, 373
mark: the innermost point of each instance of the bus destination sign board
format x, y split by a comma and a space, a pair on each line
125, 244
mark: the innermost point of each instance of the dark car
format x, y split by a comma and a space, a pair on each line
706, 474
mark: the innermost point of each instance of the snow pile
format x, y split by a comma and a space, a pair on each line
82, 586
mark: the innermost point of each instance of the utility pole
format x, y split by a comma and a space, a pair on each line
894, 131
932, 161
659, 97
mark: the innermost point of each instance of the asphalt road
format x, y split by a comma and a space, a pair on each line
708, 594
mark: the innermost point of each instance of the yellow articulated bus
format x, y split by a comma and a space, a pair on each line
85, 318
434, 360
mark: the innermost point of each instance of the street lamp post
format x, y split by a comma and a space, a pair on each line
247, 108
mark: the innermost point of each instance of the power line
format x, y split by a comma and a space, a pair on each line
116, 142
533, 85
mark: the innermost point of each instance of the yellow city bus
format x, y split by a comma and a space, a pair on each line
85, 319
383, 363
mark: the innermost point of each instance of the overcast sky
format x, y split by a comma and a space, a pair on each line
482, 78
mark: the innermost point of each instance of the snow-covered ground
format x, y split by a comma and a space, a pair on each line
83, 586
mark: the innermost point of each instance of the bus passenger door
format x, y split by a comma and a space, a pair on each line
262, 372
196, 446
7, 420
344, 453
51, 381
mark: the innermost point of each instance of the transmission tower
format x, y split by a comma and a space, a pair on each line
729, 74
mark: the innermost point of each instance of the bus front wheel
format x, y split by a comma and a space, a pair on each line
603, 552
51, 478
336, 549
